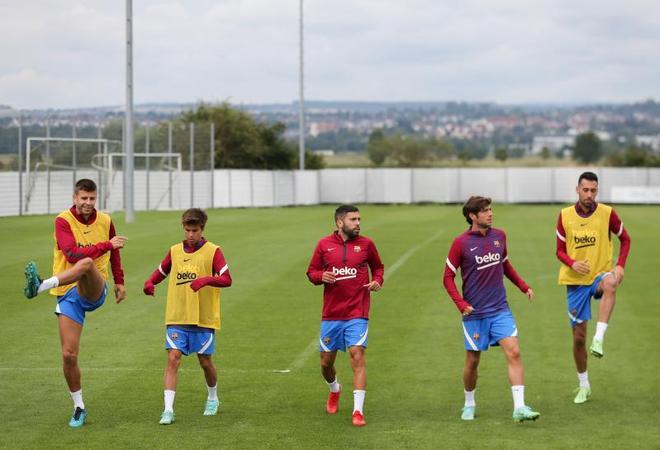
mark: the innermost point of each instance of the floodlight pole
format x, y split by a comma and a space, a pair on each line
301, 112
128, 126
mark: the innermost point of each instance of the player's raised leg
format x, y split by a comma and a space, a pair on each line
607, 287
470, 375
84, 272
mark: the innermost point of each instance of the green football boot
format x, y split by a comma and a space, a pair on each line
525, 413
468, 413
32, 280
583, 394
211, 408
167, 418
596, 348
78, 418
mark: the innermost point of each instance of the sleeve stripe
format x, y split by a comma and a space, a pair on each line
561, 238
160, 269
451, 266
223, 270
620, 229
505, 258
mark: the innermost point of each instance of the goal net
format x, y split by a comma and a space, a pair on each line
155, 180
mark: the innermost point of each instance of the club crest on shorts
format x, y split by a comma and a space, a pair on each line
357, 249
326, 340
175, 335
475, 336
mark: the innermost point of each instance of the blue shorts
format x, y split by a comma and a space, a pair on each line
188, 339
339, 334
579, 299
74, 306
480, 334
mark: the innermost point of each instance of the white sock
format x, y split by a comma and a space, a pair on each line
334, 386
583, 378
47, 284
213, 392
518, 392
358, 400
77, 399
469, 398
601, 327
169, 400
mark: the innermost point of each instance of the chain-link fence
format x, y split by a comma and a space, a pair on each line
40, 162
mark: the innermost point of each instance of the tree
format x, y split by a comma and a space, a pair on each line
408, 151
242, 142
501, 154
378, 148
545, 153
588, 148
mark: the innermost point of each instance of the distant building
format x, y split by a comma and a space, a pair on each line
649, 141
552, 143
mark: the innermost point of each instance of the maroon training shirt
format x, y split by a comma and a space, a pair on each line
350, 261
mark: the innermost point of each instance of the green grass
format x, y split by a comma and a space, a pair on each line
272, 313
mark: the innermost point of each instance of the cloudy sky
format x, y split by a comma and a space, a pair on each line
70, 53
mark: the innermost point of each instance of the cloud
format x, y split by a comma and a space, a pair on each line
247, 50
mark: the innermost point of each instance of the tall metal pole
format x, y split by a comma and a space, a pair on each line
301, 113
20, 165
169, 171
128, 138
147, 145
212, 163
192, 164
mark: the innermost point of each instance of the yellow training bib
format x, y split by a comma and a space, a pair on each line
184, 306
587, 238
85, 236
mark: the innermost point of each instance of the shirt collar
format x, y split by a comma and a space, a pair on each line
81, 219
189, 249
581, 213
478, 233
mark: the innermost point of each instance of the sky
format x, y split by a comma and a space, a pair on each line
71, 53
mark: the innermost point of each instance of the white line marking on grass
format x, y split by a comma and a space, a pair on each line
313, 345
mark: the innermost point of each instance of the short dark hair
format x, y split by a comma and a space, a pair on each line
194, 216
84, 184
342, 210
473, 205
588, 176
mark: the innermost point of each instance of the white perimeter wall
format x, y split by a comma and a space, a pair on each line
258, 188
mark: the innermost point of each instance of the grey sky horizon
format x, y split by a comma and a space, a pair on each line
71, 54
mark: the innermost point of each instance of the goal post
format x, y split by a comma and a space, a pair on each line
50, 154
155, 174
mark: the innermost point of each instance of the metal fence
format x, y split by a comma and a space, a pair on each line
50, 156
257, 188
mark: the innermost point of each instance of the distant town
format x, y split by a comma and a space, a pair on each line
336, 127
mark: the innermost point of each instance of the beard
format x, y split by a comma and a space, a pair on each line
350, 233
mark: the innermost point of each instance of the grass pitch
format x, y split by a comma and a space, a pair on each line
270, 324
